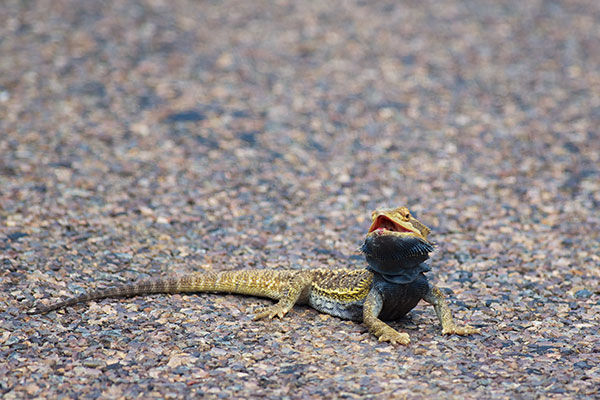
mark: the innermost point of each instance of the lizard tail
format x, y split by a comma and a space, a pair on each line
260, 283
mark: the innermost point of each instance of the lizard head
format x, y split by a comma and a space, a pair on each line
397, 222
396, 241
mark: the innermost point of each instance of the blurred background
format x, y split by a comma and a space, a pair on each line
155, 137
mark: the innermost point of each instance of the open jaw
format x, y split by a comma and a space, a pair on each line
384, 224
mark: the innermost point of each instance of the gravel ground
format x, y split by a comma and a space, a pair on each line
163, 137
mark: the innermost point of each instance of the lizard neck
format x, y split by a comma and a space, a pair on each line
403, 275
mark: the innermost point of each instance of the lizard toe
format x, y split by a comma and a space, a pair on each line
460, 330
395, 337
271, 312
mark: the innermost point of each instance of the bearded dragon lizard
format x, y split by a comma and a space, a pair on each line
395, 249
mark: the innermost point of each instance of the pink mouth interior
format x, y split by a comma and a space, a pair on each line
383, 223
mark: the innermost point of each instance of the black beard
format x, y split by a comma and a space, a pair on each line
395, 255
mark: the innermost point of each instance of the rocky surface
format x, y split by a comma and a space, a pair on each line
163, 137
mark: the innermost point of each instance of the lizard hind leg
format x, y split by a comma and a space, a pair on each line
297, 291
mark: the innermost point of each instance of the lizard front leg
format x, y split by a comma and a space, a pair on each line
435, 297
385, 333
298, 288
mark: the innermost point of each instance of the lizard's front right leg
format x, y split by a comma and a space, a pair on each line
435, 297
371, 309
298, 287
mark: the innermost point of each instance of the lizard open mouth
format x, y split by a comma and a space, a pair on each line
383, 223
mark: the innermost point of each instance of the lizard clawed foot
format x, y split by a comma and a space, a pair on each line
276, 310
387, 334
459, 330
